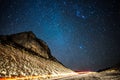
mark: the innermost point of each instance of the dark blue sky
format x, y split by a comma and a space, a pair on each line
82, 34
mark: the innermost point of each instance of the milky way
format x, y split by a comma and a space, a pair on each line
82, 34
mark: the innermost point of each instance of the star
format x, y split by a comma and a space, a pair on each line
70, 28
81, 47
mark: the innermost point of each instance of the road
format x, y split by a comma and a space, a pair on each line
106, 75
75, 76
93, 76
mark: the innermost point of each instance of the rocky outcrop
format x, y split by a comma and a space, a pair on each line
23, 54
28, 41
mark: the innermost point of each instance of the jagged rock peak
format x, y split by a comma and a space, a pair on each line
29, 41
28, 34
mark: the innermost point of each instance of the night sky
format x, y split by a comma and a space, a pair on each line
82, 34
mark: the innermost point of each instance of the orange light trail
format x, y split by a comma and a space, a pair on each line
43, 76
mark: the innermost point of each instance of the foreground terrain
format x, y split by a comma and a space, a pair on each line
23, 54
25, 57
105, 75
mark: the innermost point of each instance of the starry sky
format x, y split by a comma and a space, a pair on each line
82, 34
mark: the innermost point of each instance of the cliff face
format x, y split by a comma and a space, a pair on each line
28, 41
23, 54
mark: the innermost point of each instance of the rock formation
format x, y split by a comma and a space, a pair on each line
23, 54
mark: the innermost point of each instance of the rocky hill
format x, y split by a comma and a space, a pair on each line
23, 54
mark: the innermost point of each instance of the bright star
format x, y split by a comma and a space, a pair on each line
81, 47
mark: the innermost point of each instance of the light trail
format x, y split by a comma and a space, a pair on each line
44, 76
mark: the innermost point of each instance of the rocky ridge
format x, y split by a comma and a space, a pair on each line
23, 54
